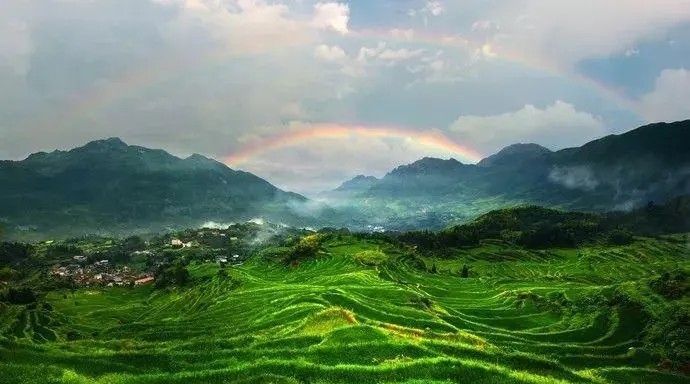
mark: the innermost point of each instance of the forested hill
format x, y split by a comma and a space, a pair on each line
617, 172
107, 185
540, 227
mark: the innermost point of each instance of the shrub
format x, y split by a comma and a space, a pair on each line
620, 237
22, 296
306, 248
175, 275
371, 257
8, 274
671, 285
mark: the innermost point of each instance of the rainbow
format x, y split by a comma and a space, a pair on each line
167, 68
534, 63
295, 136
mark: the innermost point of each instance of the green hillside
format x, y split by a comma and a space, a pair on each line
616, 172
107, 186
338, 308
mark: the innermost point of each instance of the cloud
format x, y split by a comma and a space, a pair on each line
200, 75
329, 53
322, 164
241, 26
434, 7
333, 16
397, 55
555, 126
668, 101
578, 177
570, 31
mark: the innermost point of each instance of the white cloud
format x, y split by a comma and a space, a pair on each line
329, 53
632, 52
403, 33
668, 101
365, 53
381, 53
439, 68
576, 177
323, 163
556, 126
484, 25
333, 16
570, 31
434, 7
241, 26
396, 55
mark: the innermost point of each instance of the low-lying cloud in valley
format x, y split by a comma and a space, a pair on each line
575, 177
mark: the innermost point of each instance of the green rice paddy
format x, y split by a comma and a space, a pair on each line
364, 311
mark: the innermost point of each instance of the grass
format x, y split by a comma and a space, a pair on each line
362, 312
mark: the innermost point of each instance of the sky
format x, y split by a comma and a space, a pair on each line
307, 94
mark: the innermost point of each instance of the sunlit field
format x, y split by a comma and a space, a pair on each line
365, 311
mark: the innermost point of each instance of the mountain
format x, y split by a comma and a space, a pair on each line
516, 153
109, 186
617, 172
357, 183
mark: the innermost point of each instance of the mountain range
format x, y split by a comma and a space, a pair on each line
109, 186
616, 172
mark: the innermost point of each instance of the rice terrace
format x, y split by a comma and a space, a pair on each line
344, 192
337, 307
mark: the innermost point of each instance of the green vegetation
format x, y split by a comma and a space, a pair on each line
335, 307
107, 186
369, 257
615, 172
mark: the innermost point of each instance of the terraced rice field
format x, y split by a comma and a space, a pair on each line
335, 320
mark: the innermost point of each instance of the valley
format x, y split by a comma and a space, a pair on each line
336, 307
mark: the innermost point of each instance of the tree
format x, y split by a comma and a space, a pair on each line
11, 253
21, 295
307, 247
8, 274
175, 275
620, 237
133, 243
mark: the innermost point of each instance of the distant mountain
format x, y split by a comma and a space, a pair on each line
516, 153
617, 172
427, 166
109, 186
357, 183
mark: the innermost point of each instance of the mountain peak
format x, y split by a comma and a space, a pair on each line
106, 144
434, 161
197, 157
363, 177
359, 182
514, 153
428, 165
198, 160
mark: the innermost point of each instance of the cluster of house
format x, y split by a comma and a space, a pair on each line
99, 273
180, 243
222, 260
376, 228
175, 242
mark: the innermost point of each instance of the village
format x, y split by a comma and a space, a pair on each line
91, 271
99, 273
